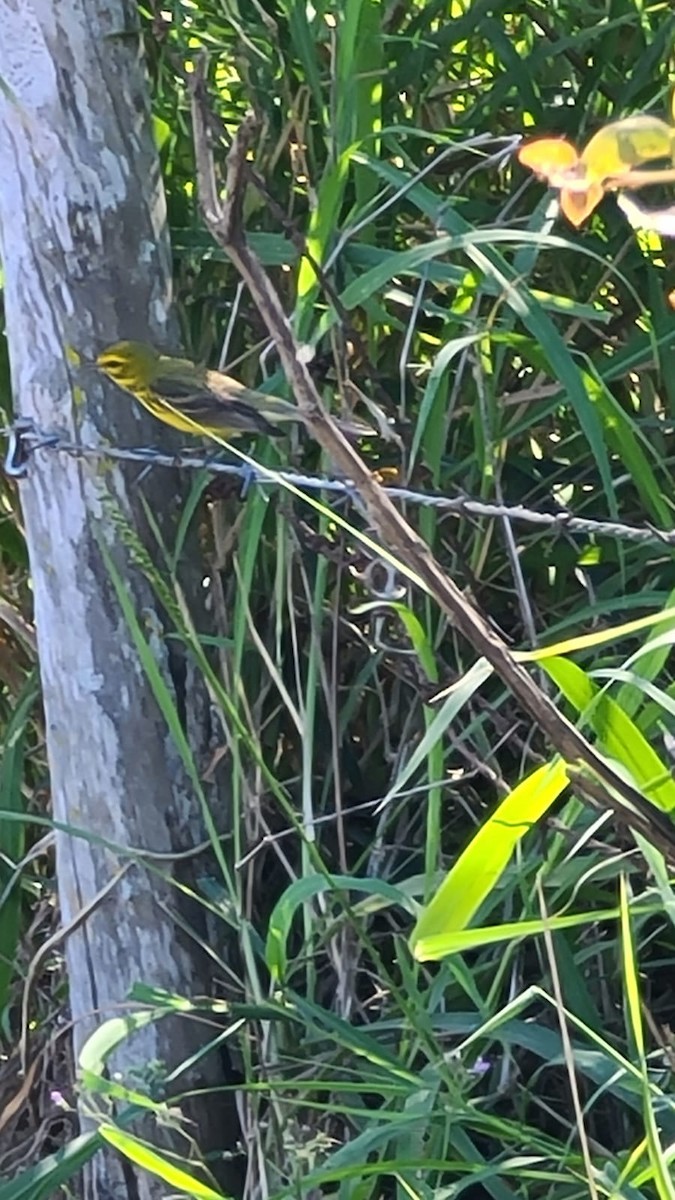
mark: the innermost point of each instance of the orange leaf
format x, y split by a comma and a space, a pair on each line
553, 159
578, 205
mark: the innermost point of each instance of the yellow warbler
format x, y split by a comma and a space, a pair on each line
196, 400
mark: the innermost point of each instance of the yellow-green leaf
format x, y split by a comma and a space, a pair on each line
480, 865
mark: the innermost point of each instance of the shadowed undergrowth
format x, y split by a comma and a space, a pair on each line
519, 363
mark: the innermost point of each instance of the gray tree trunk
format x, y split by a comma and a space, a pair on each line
86, 261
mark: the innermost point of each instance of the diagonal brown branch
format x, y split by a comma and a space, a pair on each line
593, 776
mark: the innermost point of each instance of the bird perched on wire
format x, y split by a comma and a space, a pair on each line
197, 400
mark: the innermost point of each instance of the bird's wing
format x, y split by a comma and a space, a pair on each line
210, 410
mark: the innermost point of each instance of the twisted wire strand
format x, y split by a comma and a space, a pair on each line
30, 440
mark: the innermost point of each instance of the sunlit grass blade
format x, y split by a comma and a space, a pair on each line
617, 733
659, 1171
479, 867
146, 1157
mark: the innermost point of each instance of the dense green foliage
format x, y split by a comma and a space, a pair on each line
521, 363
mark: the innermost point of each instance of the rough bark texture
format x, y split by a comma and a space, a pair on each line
86, 261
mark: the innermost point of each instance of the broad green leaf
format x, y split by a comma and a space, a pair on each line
105, 1040
478, 869
616, 732
145, 1156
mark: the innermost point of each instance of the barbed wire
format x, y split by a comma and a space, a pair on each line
24, 439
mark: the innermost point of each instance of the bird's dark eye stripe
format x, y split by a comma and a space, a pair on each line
112, 362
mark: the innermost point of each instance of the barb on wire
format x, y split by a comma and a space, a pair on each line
24, 439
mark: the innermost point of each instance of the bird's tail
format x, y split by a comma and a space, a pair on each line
278, 411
